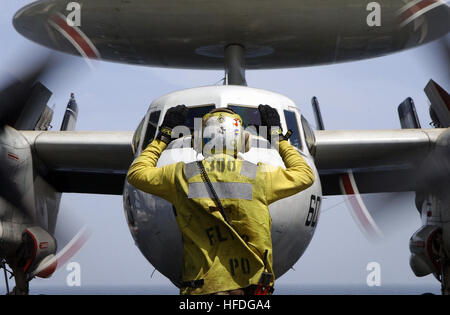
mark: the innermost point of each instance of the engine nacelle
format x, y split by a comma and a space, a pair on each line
40, 248
424, 247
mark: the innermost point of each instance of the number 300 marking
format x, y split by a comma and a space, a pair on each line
313, 213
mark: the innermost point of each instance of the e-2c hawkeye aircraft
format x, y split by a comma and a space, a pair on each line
38, 165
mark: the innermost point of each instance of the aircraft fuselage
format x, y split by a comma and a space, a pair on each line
151, 219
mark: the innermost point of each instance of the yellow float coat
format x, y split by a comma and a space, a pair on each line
225, 257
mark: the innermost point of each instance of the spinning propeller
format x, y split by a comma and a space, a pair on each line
14, 103
380, 215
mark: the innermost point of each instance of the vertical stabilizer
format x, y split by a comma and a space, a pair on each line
317, 114
33, 108
440, 105
408, 115
70, 117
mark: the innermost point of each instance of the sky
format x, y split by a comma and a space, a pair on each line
356, 95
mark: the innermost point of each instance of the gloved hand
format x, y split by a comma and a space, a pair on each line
175, 116
271, 120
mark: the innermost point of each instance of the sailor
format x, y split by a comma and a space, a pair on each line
222, 201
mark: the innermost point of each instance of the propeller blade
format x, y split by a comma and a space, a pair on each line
64, 255
377, 214
13, 96
14, 99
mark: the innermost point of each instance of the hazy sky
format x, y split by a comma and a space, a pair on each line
358, 95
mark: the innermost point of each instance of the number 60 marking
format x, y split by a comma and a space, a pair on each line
313, 213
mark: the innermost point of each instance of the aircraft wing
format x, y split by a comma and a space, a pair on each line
380, 160
83, 161
97, 162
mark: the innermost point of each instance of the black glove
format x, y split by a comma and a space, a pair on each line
175, 116
271, 120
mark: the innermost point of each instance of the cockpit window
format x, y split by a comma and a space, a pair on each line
250, 115
137, 135
309, 135
152, 126
291, 122
197, 112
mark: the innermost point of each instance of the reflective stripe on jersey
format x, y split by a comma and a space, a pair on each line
226, 257
231, 190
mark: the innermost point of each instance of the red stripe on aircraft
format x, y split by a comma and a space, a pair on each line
30, 260
13, 156
73, 249
64, 258
67, 252
416, 8
357, 209
73, 33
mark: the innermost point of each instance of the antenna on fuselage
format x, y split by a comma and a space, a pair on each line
235, 65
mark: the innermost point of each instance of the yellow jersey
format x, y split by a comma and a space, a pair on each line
221, 256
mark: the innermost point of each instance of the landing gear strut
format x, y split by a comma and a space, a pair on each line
22, 287
5, 273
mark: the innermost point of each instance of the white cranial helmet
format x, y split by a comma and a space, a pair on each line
222, 132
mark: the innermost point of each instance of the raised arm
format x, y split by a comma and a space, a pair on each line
143, 173
298, 175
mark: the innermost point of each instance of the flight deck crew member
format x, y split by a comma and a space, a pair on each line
222, 201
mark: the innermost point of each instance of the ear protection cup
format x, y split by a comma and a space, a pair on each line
247, 141
197, 141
